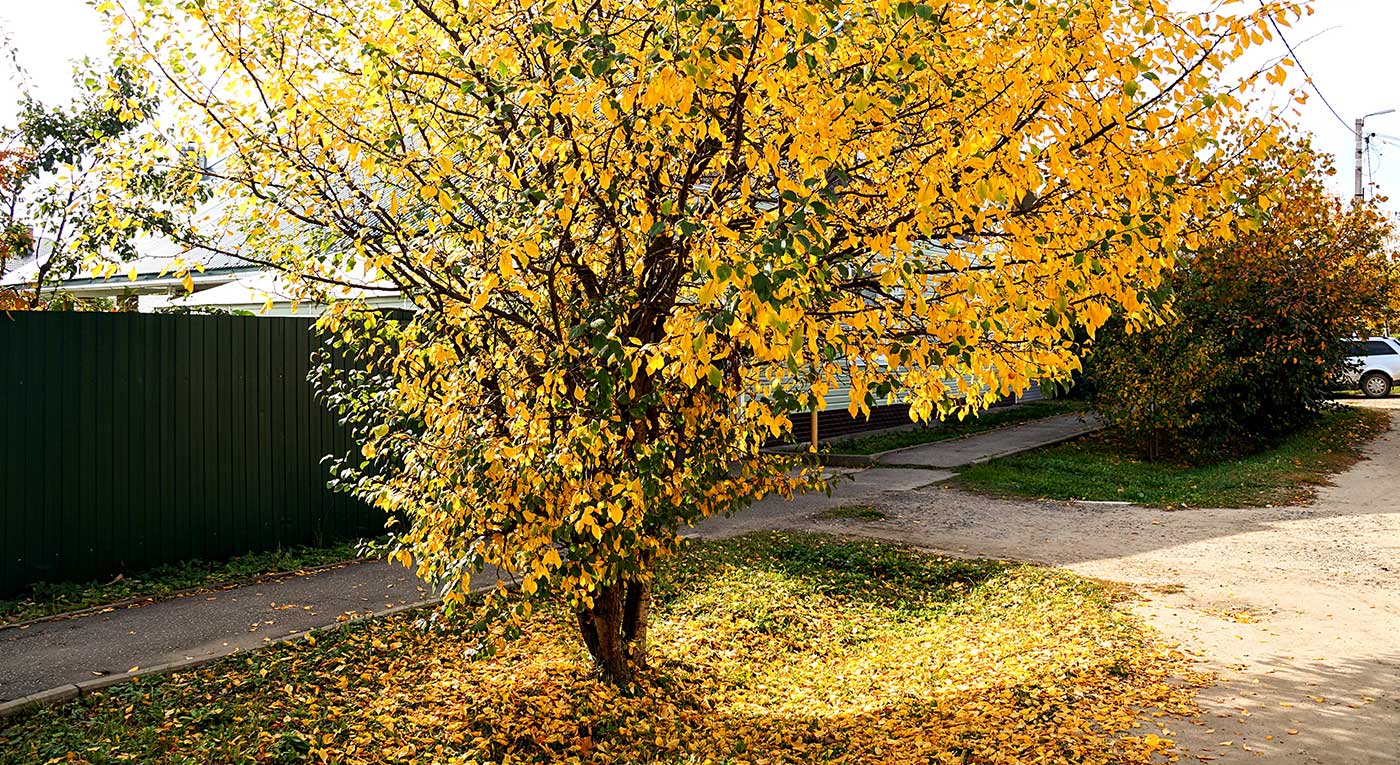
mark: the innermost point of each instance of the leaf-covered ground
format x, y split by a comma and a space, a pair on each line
1097, 468
773, 648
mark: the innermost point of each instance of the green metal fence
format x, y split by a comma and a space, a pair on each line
132, 440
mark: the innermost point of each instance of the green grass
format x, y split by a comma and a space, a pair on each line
781, 648
954, 428
46, 599
1096, 468
851, 513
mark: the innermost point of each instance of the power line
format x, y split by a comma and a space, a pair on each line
1385, 141
1309, 78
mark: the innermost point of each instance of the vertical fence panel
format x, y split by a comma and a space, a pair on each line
64, 455
242, 409
21, 488
47, 380
288, 427
40, 383
87, 368
204, 400
131, 440
188, 513
150, 505
264, 484
143, 448
10, 533
114, 427
220, 401
12, 479
101, 481
308, 475
167, 453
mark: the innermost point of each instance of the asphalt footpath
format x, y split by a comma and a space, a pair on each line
121, 641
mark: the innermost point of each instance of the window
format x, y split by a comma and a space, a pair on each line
1378, 348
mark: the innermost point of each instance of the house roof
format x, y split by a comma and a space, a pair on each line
267, 292
152, 270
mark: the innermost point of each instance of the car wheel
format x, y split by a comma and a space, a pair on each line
1375, 385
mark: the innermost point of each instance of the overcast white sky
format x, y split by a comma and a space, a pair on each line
1351, 50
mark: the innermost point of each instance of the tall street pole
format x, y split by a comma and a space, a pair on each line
1360, 127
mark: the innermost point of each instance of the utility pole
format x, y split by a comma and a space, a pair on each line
1360, 127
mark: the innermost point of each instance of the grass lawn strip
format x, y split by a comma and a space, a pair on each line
48, 599
779, 648
944, 430
851, 513
1095, 468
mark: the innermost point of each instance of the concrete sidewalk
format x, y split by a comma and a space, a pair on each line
1002, 442
85, 649
902, 471
848, 487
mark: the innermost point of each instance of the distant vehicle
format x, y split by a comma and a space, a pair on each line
1373, 365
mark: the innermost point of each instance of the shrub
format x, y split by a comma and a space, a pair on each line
1154, 386
1253, 340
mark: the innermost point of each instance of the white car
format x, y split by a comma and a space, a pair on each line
1374, 365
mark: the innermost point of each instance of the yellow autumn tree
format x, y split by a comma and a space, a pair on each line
641, 234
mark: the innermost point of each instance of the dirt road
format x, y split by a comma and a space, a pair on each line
1296, 608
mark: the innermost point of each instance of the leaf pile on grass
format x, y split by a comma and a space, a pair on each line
46, 599
1096, 468
954, 428
772, 648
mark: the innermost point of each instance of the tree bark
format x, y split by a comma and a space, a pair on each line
615, 629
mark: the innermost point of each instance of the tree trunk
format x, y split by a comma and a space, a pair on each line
615, 628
